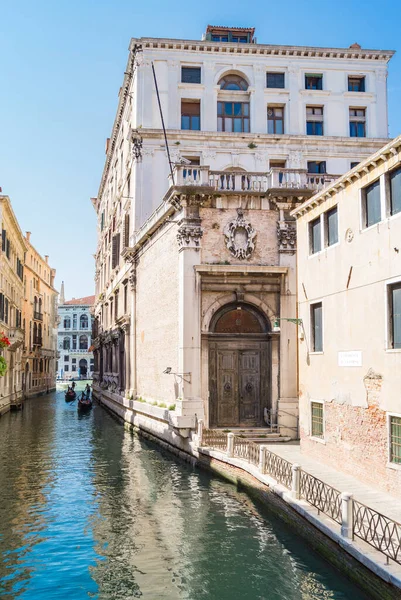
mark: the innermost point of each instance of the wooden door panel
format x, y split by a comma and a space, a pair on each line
249, 387
227, 388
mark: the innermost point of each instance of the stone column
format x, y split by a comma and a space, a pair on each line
209, 99
189, 353
131, 372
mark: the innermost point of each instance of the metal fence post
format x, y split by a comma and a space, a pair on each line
295, 481
262, 458
200, 432
347, 516
230, 444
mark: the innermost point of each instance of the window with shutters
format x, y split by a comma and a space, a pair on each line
191, 75
115, 259
126, 231
3, 240
190, 115
356, 84
1, 307
394, 312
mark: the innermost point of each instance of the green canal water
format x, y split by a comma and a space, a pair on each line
89, 510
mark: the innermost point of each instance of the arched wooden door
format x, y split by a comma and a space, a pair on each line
239, 367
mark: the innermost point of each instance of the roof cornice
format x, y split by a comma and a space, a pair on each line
367, 165
263, 49
7, 202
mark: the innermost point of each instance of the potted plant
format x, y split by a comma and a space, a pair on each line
4, 341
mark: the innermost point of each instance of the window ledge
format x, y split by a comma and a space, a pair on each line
315, 353
393, 466
360, 95
277, 91
191, 86
393, 350
324, 250
364, 229
316, 439
315, 92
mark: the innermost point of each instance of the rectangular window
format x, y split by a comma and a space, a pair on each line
394, 300
240, 39
395, 440
66, 368
314, 120
126, 299
357, 122
315, 229
314, 82
317, 419
115, 251
371, 204
331, 222
356, 84
354, 164
395, 191
219, 38
275, 80
317, 327
190, 115
191, 75
74, 361
233, 116
275, 119
316, 166
66, 358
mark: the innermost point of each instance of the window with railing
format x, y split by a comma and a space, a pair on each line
395, 439
317, 425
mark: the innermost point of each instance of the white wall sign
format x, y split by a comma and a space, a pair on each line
352, 358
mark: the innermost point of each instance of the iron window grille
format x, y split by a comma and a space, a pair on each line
395, 440
317, 428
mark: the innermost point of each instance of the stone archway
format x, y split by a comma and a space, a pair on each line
83, 367
239, 366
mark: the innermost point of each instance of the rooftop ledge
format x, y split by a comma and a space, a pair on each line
261, 49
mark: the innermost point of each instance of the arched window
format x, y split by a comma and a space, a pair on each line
66, 343
67, 323
233, 82
233, 113
35, 304
83, 342
83, 321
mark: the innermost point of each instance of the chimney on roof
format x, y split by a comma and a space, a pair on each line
62, 298
47, 258
355, 46
28, 236
107, 145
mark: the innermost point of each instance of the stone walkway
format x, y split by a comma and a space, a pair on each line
389, 506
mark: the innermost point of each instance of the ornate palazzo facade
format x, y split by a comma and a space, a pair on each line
195, 264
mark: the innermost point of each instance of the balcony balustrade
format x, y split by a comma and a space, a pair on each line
38, 316
252, 182
37, 340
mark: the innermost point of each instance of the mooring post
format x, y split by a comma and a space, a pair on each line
230, 444
295, 482
347, 516
200, 432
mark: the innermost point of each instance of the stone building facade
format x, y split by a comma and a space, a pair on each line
349, 289
13, 248
39, 323
75, 337
195, 262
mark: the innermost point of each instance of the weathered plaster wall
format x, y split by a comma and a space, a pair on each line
157, 316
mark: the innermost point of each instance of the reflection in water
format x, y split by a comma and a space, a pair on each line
91, 511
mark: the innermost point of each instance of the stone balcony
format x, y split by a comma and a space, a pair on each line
16, 337
275, 182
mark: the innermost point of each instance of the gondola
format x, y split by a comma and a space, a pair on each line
70, 395
85, 404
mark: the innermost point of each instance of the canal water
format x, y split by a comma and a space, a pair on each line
89, 510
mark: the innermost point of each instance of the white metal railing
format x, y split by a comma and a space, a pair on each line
246, 181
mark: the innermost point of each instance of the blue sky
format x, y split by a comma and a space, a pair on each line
61, 66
